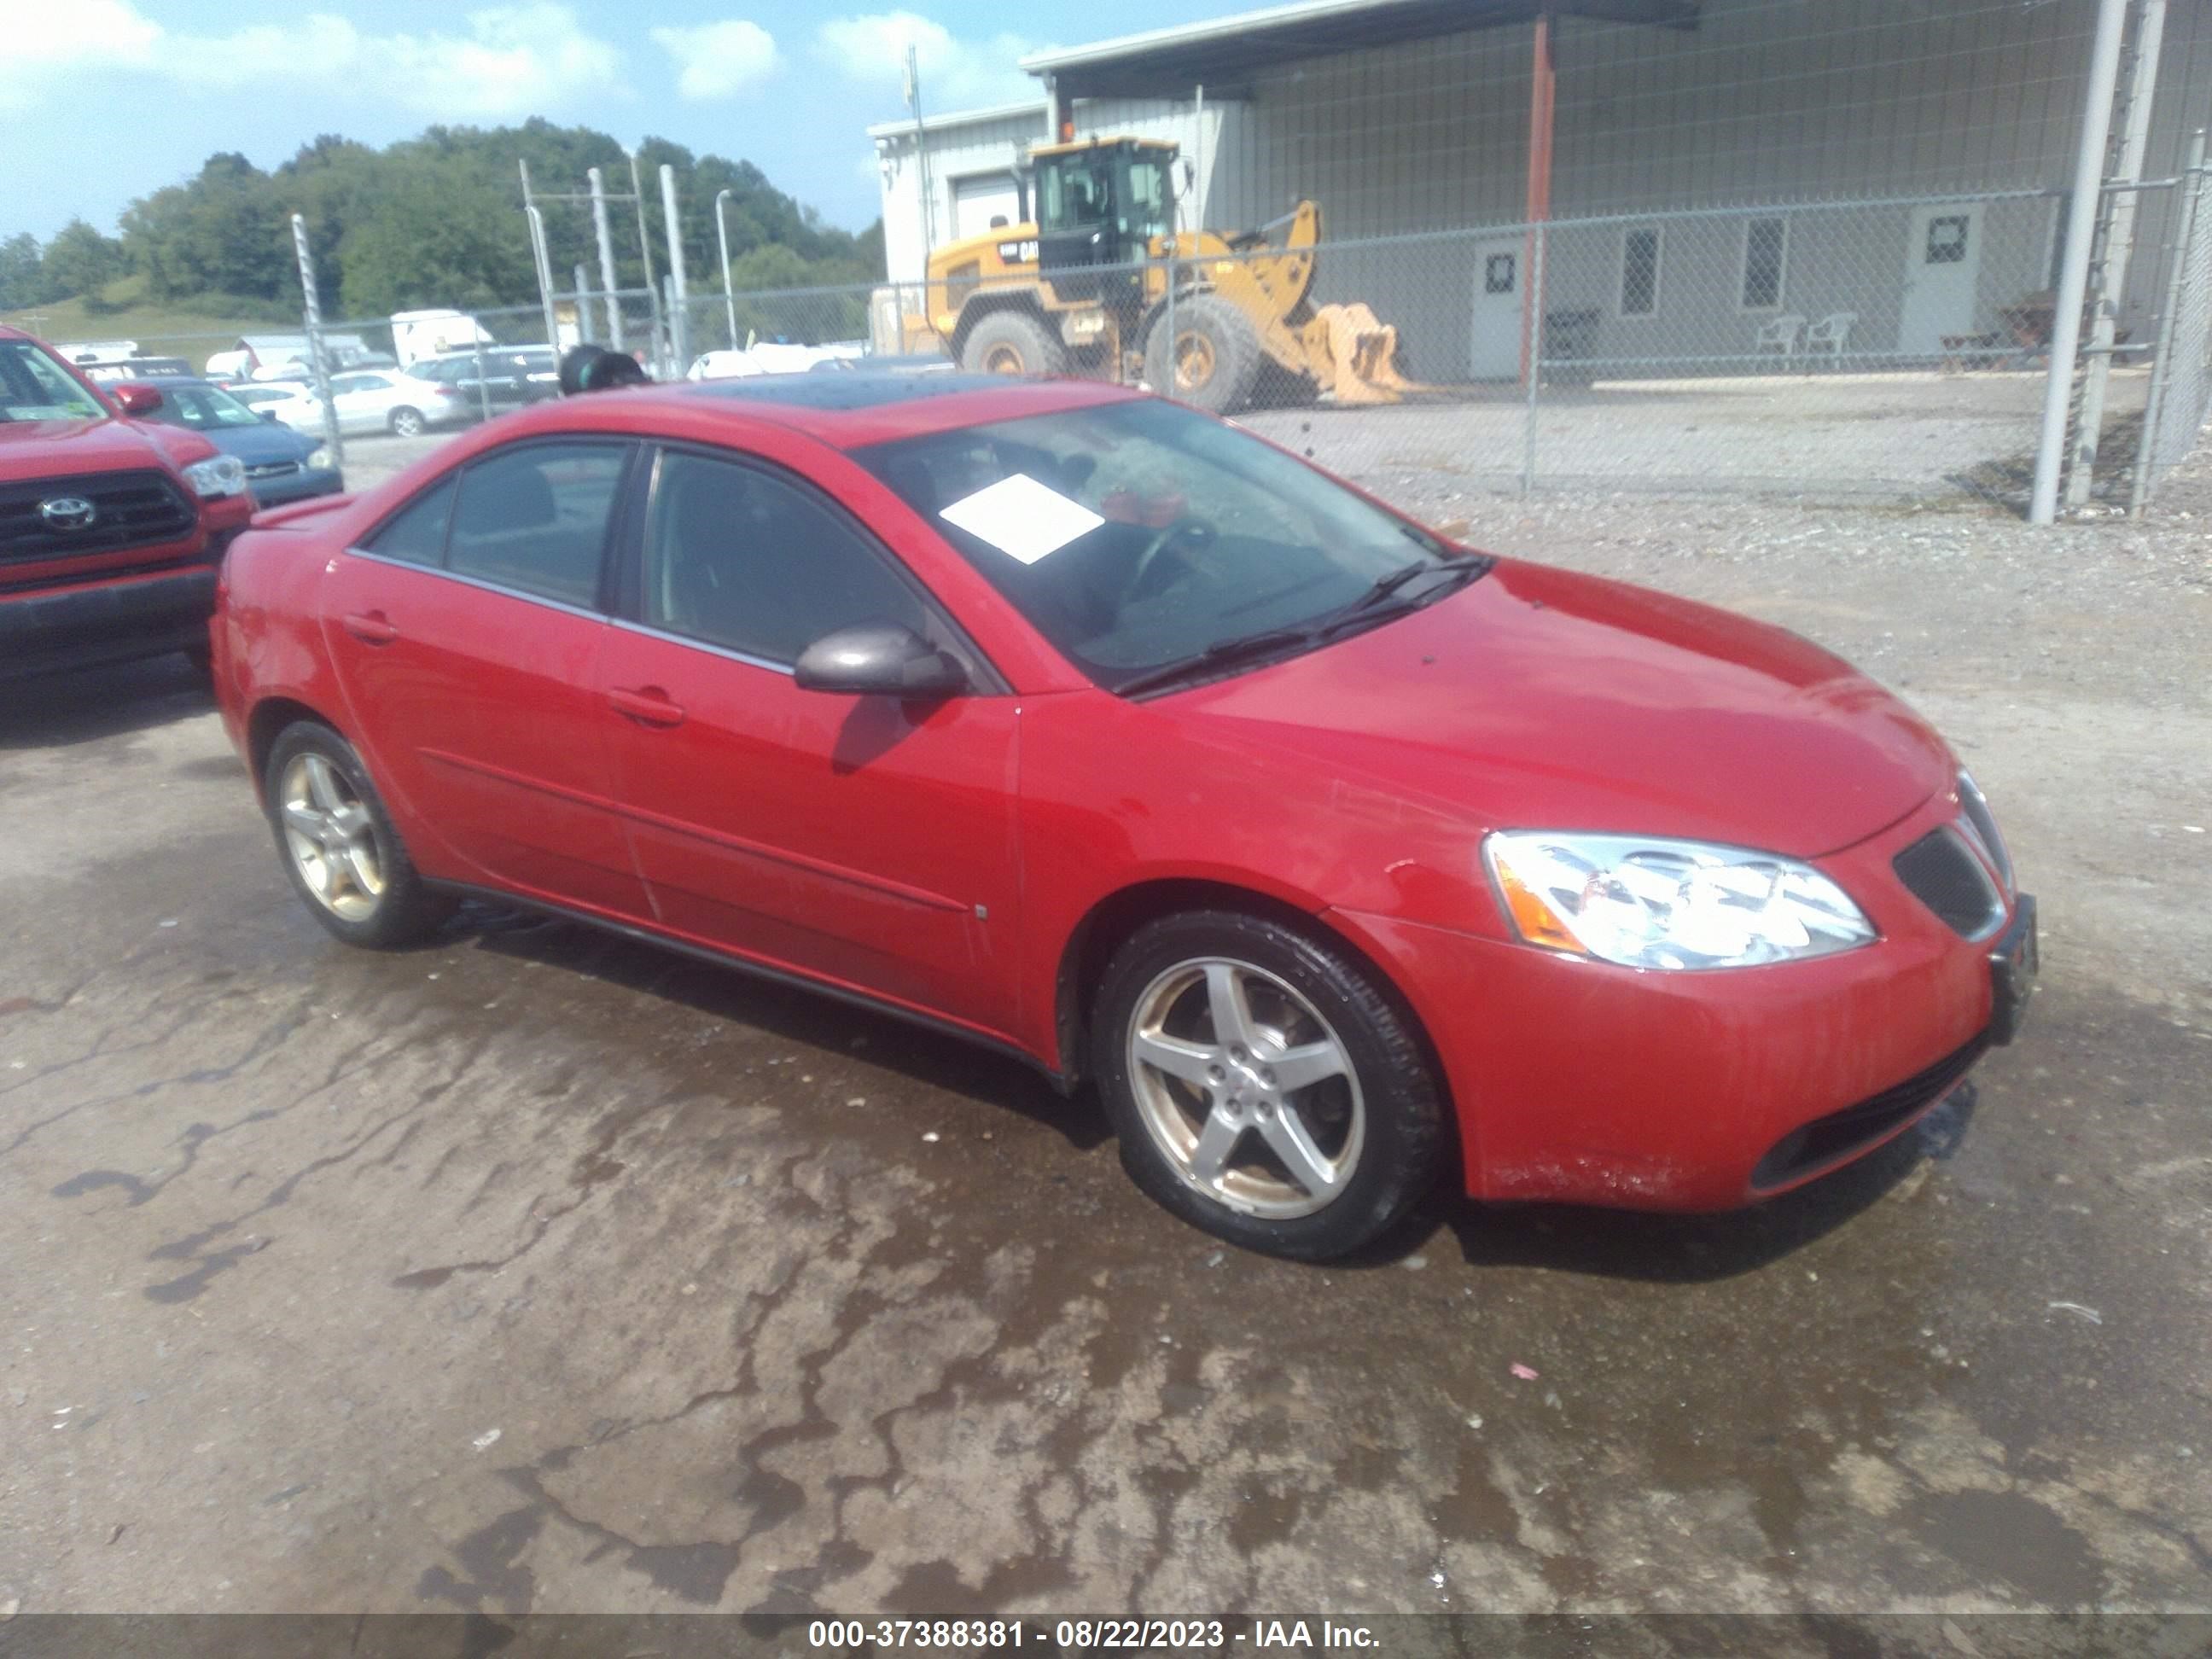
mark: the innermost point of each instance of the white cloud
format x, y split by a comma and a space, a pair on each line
506, 61
44, 42
717, 60
955, 74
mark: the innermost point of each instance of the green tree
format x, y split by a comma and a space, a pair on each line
80, 260
20, 279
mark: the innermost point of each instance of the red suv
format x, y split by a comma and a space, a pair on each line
110, 529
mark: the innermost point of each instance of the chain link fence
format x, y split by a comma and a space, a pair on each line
1892, 349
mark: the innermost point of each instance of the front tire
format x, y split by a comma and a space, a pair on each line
1012, 342
407, 422
1263, 1085
1216, 356
338, 846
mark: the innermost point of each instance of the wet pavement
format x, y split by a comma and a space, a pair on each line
539, 1271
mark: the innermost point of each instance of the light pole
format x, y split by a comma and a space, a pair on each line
722, 237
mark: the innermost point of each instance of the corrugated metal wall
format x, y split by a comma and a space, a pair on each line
1768, 102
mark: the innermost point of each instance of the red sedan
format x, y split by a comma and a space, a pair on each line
1101, 732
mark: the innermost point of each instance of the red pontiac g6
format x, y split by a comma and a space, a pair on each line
1101, 732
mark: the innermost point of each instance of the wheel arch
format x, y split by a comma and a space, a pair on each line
1091, 944
269, 718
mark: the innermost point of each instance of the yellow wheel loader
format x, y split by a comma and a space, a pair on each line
1080, 288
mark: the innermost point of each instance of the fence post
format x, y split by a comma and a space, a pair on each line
1175, 355
659, 333
1532, 355
2182, 252
2074, 275
2110, 265
312, 314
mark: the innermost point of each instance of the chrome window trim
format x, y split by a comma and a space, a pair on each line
630, 625
589, 612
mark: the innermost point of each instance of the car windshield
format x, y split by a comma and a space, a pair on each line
34, 387
200, 407
1140, 536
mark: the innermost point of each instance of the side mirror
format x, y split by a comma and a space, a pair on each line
879, 660
270, 415
137, 399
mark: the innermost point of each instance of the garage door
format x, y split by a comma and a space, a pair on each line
978, 200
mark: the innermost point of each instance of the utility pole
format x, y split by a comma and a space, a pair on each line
313, 313
921, 155
607, 278
722, 240
540, 255
678, 311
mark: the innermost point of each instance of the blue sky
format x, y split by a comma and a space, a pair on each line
103, 100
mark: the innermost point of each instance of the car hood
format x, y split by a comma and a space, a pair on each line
46, 449
260, 443
1537, 698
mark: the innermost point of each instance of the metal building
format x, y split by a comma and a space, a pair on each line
1948, 126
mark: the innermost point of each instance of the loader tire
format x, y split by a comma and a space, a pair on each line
1012, 342
1216, 358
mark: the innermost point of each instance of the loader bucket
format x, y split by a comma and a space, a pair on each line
1353, 355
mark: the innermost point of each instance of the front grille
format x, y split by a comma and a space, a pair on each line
1826, 1140
131, 510
1983, 827
1939, 872
273, 469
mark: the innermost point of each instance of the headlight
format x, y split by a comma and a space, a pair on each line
218, 476
1648, 903
319, 456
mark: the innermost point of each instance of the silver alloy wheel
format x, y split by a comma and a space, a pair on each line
407, 423
331, 842
1245, 1088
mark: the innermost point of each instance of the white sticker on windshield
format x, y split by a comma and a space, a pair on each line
1022, 518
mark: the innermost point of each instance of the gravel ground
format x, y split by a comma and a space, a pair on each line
536, 1271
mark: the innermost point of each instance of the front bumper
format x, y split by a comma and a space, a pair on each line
113, 620
300, 486
1582, 1082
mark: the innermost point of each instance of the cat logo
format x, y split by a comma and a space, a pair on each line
1019, 253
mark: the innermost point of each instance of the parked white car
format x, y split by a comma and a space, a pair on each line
290, 401
388, 400
770, 357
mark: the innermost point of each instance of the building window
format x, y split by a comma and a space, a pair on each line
1946, 241
1498, 273
1639, 272
1766, 244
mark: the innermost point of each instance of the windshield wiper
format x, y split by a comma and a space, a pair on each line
1378, 601
1222, 653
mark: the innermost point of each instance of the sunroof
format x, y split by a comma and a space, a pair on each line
832, 389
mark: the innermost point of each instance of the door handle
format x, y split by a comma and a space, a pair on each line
370, 627
648, 705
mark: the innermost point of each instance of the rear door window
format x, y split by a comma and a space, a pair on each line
534, 518
416, 534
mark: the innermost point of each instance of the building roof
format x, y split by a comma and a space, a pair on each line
964, 118
1219, 53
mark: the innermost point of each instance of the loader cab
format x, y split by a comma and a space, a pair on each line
1101, 202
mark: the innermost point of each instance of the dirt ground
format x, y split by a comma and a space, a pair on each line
536, 1271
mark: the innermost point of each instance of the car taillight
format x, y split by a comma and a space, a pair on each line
445, 391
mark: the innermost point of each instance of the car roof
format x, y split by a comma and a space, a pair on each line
852, 411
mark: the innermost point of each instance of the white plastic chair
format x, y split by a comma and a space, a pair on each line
1831, 333
1777, 335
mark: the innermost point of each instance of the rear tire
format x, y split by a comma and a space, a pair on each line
1306, 1128
407, 422
1012, 342
1216, 358
345, 859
